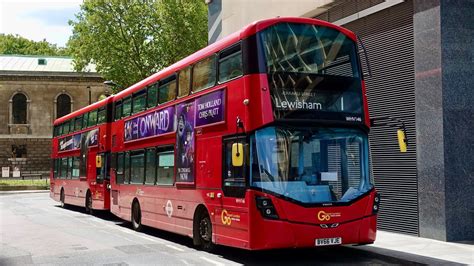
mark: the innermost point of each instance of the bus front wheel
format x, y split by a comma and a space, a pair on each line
205, 232
136, 217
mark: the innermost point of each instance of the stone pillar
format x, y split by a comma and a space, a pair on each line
444, 94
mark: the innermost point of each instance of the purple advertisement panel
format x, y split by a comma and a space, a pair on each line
185, 141
74, 142
152, 124
210, 108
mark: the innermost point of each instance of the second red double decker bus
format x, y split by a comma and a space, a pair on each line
258, 141
81, 157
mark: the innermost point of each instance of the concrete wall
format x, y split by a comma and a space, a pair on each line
236, 14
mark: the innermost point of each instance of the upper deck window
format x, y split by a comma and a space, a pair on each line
85, 120
92, 121
167, 90
305, 48
102, 115
230, 63
127, 107
184, 82
204, 74
139, 101
118, 110
152, 96
78, 123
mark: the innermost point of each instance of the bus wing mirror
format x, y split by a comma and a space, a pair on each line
402, 140
237, 154
98, 161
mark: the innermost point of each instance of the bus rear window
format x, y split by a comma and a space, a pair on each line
204, 74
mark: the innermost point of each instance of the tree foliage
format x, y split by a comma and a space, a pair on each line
15, 44
130, 40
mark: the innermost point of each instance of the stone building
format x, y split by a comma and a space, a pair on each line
421, 56
34, 91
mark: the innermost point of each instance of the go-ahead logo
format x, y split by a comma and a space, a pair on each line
324, 216
227, 218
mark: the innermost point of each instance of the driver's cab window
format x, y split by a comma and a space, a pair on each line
234, 176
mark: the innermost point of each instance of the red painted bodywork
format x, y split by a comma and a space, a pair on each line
297, 226
75, 190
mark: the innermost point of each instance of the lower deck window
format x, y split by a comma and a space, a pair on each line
165, 158
137, 168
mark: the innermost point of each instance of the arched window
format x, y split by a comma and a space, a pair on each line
63, 105
19, 109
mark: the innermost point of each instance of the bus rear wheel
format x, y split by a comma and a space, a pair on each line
89, 209
136, 217
205, 232
61, 198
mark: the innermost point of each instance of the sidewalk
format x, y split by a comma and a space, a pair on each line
420, 250
23, 191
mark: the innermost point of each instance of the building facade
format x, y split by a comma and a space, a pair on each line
34, 91
420, 53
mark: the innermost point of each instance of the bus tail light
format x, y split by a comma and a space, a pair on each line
265, 205
375, 206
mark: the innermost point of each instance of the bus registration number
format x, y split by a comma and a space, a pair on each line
328, 241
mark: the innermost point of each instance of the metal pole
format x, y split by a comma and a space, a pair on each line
90, 94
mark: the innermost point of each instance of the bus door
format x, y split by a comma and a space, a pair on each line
234, 206
102, 165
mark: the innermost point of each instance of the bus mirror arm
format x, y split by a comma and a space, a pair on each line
363, 51
393, 122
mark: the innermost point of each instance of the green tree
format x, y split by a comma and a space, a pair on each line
15, 44
130, 40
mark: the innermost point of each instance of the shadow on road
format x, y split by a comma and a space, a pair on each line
309, 256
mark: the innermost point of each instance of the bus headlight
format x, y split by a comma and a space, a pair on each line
375, 206
265, 205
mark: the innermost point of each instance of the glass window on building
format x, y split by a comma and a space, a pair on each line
63, 105
204, 74
19, 109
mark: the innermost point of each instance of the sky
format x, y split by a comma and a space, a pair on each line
37, 20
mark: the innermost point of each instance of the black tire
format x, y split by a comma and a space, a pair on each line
205, 232
136, 217
61, 199
88, 204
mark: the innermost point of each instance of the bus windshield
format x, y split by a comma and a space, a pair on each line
311, 165
306, 48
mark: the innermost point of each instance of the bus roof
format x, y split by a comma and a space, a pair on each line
245, 32
83, 110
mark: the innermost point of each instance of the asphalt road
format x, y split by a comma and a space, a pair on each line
35, 230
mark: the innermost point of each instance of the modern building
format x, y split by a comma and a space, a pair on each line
34, 91
421, 56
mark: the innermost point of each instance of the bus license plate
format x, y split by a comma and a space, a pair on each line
328, 241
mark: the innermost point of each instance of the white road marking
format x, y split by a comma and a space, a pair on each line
185, 262
212, 261
175, 248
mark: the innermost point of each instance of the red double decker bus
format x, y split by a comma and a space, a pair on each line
257, 141
81, 157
